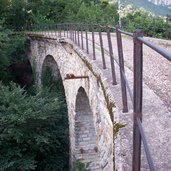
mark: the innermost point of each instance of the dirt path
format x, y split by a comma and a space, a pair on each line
156, 69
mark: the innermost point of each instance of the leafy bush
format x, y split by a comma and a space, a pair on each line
12, 50
33, 130
140, 18
78, 11
82, 166
51, 82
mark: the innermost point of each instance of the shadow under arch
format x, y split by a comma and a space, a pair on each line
50, 75
86, 150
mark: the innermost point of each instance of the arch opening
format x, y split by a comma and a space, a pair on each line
86, 150
52, 81
51, 76
22, 73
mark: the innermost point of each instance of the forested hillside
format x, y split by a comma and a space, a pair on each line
161, 2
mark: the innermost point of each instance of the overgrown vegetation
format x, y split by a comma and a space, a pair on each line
34, 125
30, 12
33, 130
33, 121
82, 166
151, 25
12, 50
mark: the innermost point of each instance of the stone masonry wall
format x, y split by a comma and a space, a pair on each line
90, 122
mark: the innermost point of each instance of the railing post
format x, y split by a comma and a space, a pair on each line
87, 38
78, 34
52, 29
73, 37
111, 55
82, 41
137, 111
70, 31
67, 29
48, 31
167, 24
122, 69
93, 42
75, 31
154, 26
64, 30
101, 45
60, 30
55, 30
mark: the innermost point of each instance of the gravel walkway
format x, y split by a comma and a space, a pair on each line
156, 104
156, 69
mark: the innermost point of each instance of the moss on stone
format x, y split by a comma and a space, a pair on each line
110, 104
117, 127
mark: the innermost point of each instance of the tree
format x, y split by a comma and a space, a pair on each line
33, 130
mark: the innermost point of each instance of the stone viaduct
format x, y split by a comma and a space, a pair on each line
95, 108
88, 101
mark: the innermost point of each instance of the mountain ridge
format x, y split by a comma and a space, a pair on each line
161, 2
159, 9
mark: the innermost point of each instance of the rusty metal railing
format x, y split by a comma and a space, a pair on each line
83, 35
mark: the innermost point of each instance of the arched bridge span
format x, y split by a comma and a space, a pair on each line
88, 100
92, 90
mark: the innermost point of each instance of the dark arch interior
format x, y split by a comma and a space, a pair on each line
86, 149
52, 80
22, 73
51, 77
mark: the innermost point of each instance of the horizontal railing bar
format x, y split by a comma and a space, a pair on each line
158, 49
146, 147
117, 62
128, 87
125, 32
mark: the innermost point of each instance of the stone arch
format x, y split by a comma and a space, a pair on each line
50, 64
86, 150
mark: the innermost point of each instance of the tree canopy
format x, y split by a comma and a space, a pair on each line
20, 14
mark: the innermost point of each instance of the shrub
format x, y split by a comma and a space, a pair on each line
33, 130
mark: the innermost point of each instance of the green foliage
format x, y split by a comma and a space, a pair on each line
4, 61
12, 50
156, 9
155, 27
33, 130
82, 166
22, 14
92, 12
51, 82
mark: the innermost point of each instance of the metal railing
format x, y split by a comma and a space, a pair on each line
78, 33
